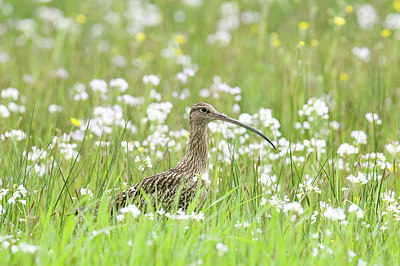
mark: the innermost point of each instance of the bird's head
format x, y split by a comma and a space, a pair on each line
203, 113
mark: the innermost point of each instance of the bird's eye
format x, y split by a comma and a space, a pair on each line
203, 110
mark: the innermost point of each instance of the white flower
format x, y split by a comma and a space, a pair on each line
293, 206
361, 262
371, 117
26, 248
79, 87
237, 225
161, 212
158, 111
308, 186
360, 178
152, 79
366, 16
204, 93
222, 37
346, 149
11, 200
197, 216
17, 135
99, 85
314, 217
221, 248
189, 72
388, 196
59, 72
356, 209
315, 252
249, 17
13, 107
119, 83
393, 147
81, 96
6, 243
54, 108
132, 209
334, 125
203, 177
10, 93
130, 100
351, 254
362, 53
193, 3
180, 215
143, 163
236, 108
14, 249
86, 191
4, 57
68, 150
181, 77
263, 201
359, 136
334, 214
392, 21
4, 111
119, 60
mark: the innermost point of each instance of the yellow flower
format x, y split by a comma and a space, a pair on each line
332, 241
180, 38
301, 43
275, 39
75, 122
391, 169
80, 18
187, 135
339, 21
385, 33
343, 76
179, 52
314, 42
349, 9
140, 36
303, 25
396, 5
140, 149
276, 42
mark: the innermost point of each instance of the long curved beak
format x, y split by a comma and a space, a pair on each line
225, 118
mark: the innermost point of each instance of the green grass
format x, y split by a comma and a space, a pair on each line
274, 63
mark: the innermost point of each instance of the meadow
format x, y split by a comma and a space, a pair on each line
95, 95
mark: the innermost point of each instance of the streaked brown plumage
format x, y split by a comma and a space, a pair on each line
183, 179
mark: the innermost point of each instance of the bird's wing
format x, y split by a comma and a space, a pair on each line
157, 186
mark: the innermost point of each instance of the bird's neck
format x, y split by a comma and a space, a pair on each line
195, 159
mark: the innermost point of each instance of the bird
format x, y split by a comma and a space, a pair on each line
179, 186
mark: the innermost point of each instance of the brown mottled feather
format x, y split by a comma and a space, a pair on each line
183, 179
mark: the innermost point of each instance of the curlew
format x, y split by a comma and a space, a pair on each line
181, 184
